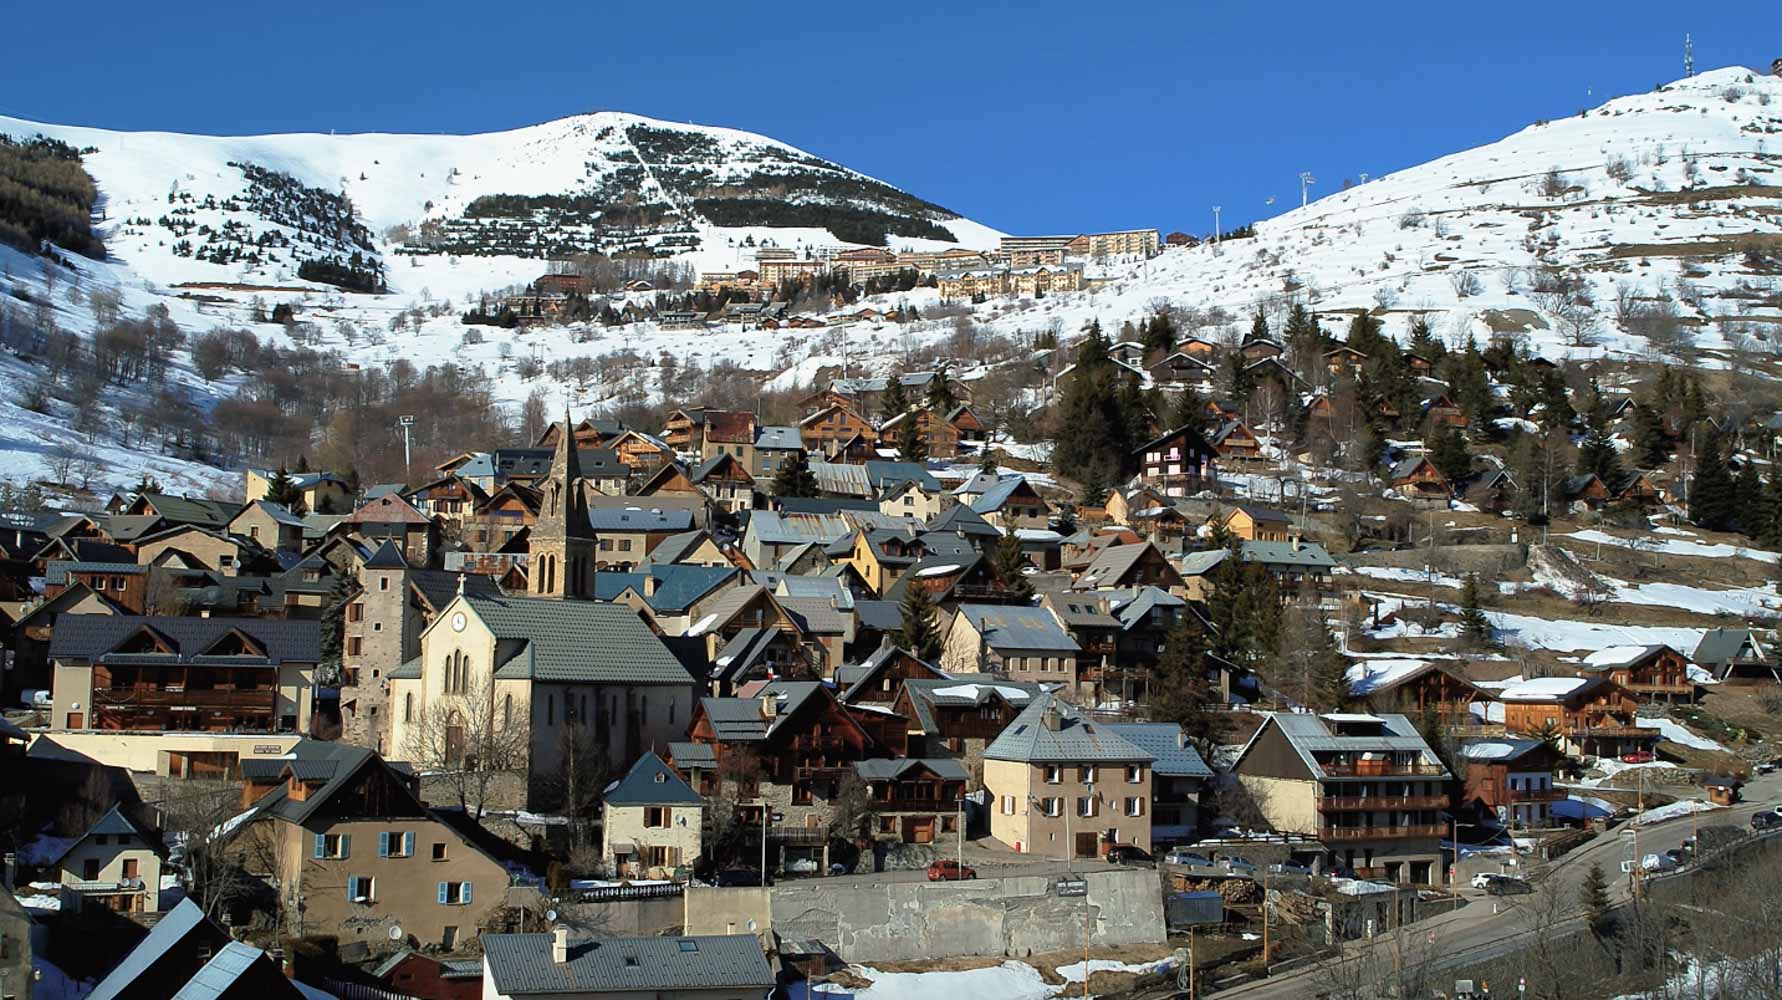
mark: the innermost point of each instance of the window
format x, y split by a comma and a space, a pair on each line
99, 583
333, 845
1052, 807
439, 850
101, 839
90, 870
1008, 805
507, 709
1054, 774
550, 710
356, 611
1086, 774
1087, 806
454, 893
383, 583
354, 645
656, 817
130, 868
361, 889
396, 844
1135, 806
408, 706
1135, 774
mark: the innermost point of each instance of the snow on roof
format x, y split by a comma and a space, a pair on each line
702, 624
1615, 656
972, 690
1370, 675
1489, 750
1543, 689
941, 570
1350, 717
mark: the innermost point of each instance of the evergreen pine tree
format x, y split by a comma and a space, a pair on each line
896, 399
1258, 327
1179, 691
1423, 342
1239, 381
328, 667
1303, 336
1596, 453
1188, 410
911, 445
920, 635
1088, 429
940, 393
987, 463
795, 478
1748, 501
1328, 684
1599, 914
145, 484
1449, 453
302, 464
1712, 494
1474, 626
1008, 561
1772, 502
1651, 445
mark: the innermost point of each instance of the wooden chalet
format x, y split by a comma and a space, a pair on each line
1440, 411
501, 517
1179, 463
1413, 688
1589, 715
643, 453
1234, 441
833, 424
1650, 673
1587, 489
1418, 479
1511, 780
670, 478
1344, 359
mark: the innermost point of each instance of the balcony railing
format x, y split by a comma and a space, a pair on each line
1536, 794
1381, 832
802, 835
1349, 803
150, 697
1371, 769
916, 805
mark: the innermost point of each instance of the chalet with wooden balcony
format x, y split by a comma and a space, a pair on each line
1587, 490
958, 716
506, 515
1234, 441
123, 585
1510, 780
589, 433
1441, 411
1649, 673
834, 424
727, 481
1180, 368
879, 679
1367, 787
1013, 503
448, 497
1256, 349
750, 633
1590, 716
1087, 618
1180, 463
914, 800
1414, 687
1417, 479
788, 746
973, 431
1120, 567
1344, 359
164, 674
951, 580
116, 864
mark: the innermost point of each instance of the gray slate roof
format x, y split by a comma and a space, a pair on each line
1171, 755
587, 642
1305, 555
1310, 734
779, 438
1075, 740
1719, 645
92, 638
171, 929
639, 519
1016, 627
651, 782
883, 769
219, 975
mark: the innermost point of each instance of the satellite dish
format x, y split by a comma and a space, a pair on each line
395, 932
753, 927
551, 916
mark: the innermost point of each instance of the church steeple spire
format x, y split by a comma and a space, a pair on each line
562, 559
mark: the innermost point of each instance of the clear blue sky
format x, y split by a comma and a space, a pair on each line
1035, 116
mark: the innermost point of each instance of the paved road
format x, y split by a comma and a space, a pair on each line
1476, 926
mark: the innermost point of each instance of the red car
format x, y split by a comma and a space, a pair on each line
950, 871
1638, 757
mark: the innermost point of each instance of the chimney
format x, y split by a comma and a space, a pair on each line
560, 945
770, 706
649, 582
1051, 719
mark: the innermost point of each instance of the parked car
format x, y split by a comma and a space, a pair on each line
950, 871
740, 876
1238, 866
1765, 821
1130, 854
1657, 863
1483, 879
1676, 855
1767, 767
1183, 856
1638, 757
1290, 868
35, 698
1507, 885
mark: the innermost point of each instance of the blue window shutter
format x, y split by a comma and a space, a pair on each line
346, 845
442, 892
352, 887
321, 845
408, 844
466, 897
383, 845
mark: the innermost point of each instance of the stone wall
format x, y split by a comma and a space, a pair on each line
1015, 917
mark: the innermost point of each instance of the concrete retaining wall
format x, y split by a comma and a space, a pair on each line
1016, 917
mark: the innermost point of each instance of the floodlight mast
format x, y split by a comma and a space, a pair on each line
1306, 180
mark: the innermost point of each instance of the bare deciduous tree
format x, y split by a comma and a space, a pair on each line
468, 745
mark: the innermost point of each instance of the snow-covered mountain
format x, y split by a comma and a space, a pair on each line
1653, 222
1580, 234
187, 208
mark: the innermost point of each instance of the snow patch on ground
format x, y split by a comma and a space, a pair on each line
1674, 810
1008, 981
1677, 733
